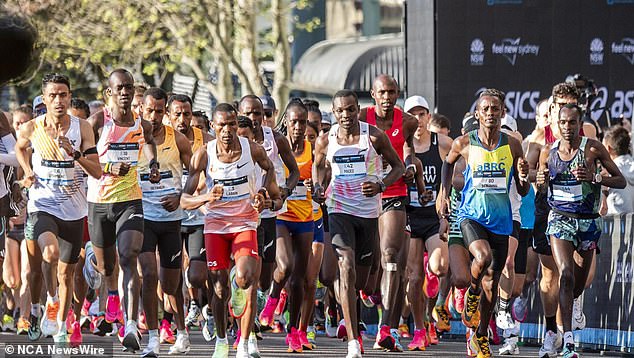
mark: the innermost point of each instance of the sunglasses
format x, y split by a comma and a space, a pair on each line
268, 113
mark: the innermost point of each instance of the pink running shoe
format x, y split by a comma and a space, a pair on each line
268, 313
166, 335
341, 330
281, 303
431, 283
113, 309
459, 296
384, 338
292, 339
303, 340
418, 343
75, 337
85, 307
237, 341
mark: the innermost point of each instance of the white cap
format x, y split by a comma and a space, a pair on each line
509, 122
415, 101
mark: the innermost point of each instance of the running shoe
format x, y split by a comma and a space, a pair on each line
8, 323
294, 344
61, 338
504, 320
209, 325
131, 339
182, 345
384, 339
470, 332
510, 347
552, 341
281, 304
441, 316
238, 302
341, 330
493, 329
85, 307
23, 326
100, 325
278, 327
397, 341
366, 299
91, 274
70, 320
238, 337
354, 349
153, 348
459, 299
193, 315
432, 336
35, 331
569, 351
221, 350
311, 336
50, 327
252, 346
520, 309
142, 322
113, 308
166, 334
578, 318
331, 323
303, 340
418, 343
403, 331
268, 313
75, 337
471, 314
431, 283
480, 346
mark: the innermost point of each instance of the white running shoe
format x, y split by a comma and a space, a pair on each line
504, 320
153, 348
552, 341
181, 346
510, 347
578, 318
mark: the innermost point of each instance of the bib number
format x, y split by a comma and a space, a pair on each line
490, 181
350, 165
234, 189
58, 171
567, 193
158, 189
299, 193
123, 153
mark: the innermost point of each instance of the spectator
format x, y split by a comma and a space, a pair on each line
440, 124
617, 142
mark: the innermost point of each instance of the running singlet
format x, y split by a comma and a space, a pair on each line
59, 182
299, 203
565, 193
233, 212
193, 217
527, 209
117, 145
485, 196
171, 170
351, 166
395, 134
270, 146
432, 165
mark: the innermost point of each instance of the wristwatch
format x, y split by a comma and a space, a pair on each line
152, 162
382, 186
597, 178
76, 155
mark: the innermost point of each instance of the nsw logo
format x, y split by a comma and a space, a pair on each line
477, 52
596, 52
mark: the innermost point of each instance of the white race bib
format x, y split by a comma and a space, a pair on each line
350, 165
299, 193
490, 181
61, 172
568, 193
165, 186
234, 189
123, 153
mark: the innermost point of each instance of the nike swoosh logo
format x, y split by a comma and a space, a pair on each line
364, 256
269, 149
167, 148
320, 225
243, 164
253, 252
175, 256
266, 247
136, 135
362, 150
132, 216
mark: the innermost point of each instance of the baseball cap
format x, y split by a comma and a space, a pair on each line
268, 102
37, 101
509, 122
326, 117
415, 101
470, 123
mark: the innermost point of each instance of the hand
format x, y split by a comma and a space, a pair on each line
370, 188
215, 193
170, 202
16, 193
119, 169
443, 230
443, 210
583, 174
155, 175
318, 194
28, 180
425, 197
522, 168
408, 175
284, 193
308, 183
257, 201
64, 143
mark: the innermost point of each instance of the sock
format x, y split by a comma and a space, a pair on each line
153, 333
402, 321
560, 329
130, 324
50, 298
474, 289
62, 326
221, 340
252, 337
551, 324
35, 309
568, 338
440, 301
182, 332
310, 328
113, 292
194, 302
504, 304
385, 317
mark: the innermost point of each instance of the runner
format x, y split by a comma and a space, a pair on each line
492, 158
431, 149
570, 169
162, 216
400, 128
351, 157
233, 204
47, 150
115, 210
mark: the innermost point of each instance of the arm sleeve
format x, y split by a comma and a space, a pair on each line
9, 157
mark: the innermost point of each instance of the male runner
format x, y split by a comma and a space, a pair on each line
232, 204
351, 157
570, 168
492, 158
162, 215
54, 150
115, 210
400, 128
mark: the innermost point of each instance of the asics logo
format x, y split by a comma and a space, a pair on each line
397, 204
166, 148
175, 256
267, 246
253, 252
365, 255
395, 132
212, 263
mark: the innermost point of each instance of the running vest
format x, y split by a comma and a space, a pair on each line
270, 146
193, 217
233, 212
351, 165
527, 209
299, 203
485, 196
566, 194
59, 188
117, 145
171, 170
432, 166
395, 134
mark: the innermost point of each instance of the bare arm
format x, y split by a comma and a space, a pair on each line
89, 162
454, 154
533, 150
410, 124
198, 166
616, 179
384, 148
22, 152
520, 174
149, 151
284, 150
542, 177
184, 148
96, 122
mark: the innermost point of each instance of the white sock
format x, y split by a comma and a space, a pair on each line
569, 338
35, 309
62, 326
221, 340
50, 298
401, 321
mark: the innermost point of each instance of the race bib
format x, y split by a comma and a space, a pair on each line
234, 189
123, 153
61, 172
350, 165
567, 193
163, 187
490, 181
299, 193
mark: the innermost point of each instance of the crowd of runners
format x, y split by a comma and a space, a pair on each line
145, 220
